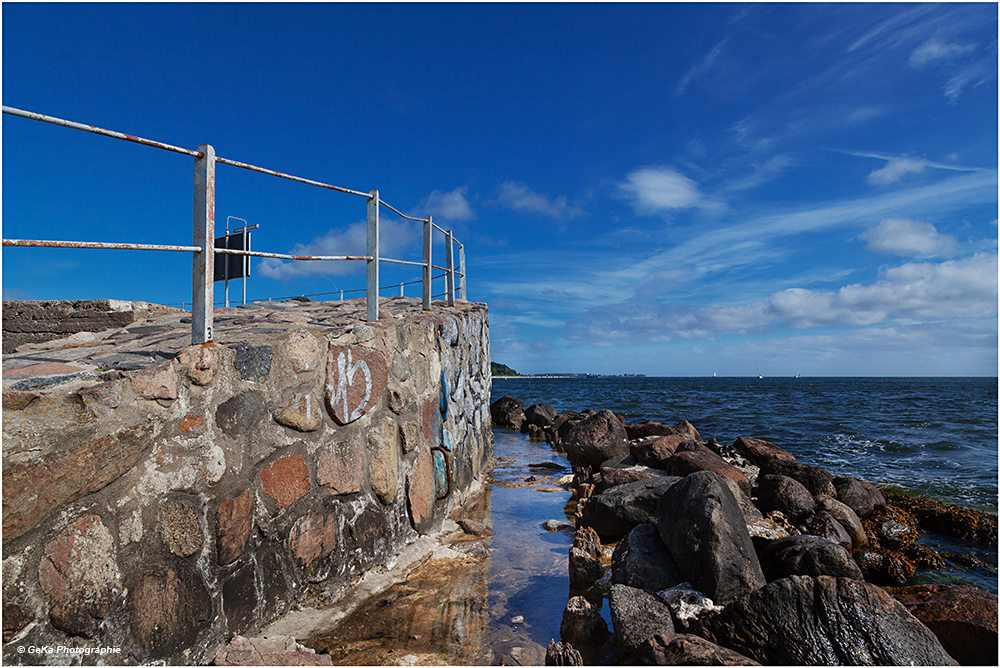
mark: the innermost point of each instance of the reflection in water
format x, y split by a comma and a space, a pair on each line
502, 600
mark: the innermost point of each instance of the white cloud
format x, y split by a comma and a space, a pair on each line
895, 170
921, 292
934, 50
395, 237
700, 69
449, 206
902, 236
654, 189
520, 197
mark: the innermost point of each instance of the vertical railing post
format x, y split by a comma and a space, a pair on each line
461, 270
372, 314
203, 273
449, 254
428, 233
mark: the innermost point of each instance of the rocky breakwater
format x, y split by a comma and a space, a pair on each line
162, 498
740, 554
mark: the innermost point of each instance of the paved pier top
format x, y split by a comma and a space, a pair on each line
159, 333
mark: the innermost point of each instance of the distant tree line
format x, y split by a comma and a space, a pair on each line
502, 370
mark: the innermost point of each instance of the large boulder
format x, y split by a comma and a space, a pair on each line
641, 560
635, 616
656, 452
615, 511
786, 495
824, 525
808, 621
683, 649
540, 415
704, 531
647, 428
703, 459
807, 555
816, 480
860, 495
963, 618
758, 451
507, 413
847, 518
596, 439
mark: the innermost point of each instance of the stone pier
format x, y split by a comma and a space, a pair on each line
160, 498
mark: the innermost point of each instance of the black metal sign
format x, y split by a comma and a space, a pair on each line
227, 266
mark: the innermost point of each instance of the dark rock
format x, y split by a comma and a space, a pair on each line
825, 621
963, 618
620, 476
891, 528
703, 459
14, 621
647, 428
582, 624
635, 616
641, 560
847, 518
948, 520
474, 528
239, 600
507, 413
784, 494
758, 451
704, 531
683, 649
562, 654
585, 559
686, 429
615, 511
596, 439
168, 611
860, 495
822, 524
540, 415
816, 480
238, 417
657, 452
252, 363
807, 555
884, 568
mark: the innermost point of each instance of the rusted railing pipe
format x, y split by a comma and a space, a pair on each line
98, 131
282, 256
37, 243
298, 179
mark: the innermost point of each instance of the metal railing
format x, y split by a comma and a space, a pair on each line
203, 251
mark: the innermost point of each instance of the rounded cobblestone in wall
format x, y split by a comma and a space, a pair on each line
78, 572
303, 351
355, 380
201, 362
302, 412
420, 492
383, 456
341, 465
311, 538
168, 610
179, 528
234, 521
286, 480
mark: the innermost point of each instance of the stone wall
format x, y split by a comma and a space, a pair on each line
40, 321
162, 510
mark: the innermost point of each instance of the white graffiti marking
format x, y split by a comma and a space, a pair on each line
346, 368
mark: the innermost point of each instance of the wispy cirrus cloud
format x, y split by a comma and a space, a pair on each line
897, 167
448, 205
519, 197
936, 51
701, 68
908, 238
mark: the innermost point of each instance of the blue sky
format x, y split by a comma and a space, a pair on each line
668, 189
